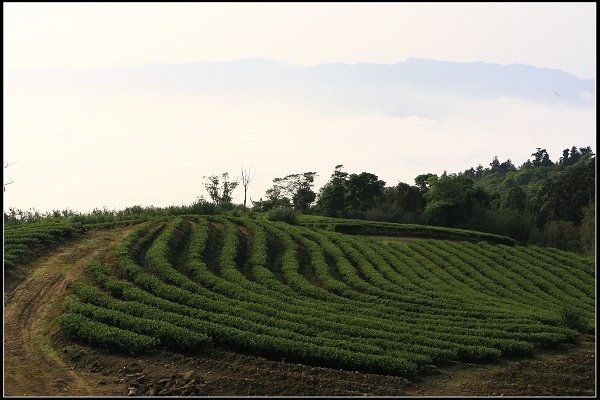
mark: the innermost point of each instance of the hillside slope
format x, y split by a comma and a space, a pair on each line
425, 275
328, 299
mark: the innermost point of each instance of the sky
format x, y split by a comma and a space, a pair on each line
81, 149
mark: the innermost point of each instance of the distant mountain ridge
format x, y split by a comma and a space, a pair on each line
406, 87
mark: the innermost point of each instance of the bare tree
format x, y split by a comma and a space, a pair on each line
247, 175
6, 184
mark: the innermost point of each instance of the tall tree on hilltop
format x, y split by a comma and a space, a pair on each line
363, 191
541, 158
449, 199
332, 195
422, 182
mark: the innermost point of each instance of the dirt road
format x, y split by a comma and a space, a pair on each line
31, 366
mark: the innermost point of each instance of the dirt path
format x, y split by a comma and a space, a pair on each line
565, 371
31, 366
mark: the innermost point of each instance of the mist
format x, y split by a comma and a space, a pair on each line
93, 139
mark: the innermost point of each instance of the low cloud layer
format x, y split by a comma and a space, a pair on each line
147, 135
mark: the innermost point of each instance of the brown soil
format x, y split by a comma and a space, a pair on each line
569, 370
32, 366
38, 361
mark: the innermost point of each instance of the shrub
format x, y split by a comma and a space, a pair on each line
574, 319
284, 214
203, 207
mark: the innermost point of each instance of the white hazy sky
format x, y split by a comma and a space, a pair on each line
84, 150
93, 35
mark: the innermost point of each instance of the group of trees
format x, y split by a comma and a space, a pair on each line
350, 193
343, 195
220, 190
294, 190
540, 202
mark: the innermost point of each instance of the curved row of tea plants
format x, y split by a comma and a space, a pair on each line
23, 242
325, 298
361, 227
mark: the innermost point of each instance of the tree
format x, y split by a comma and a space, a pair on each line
571, 157
515, 198
495, 164
474, 173
507, 166
293, 189
220, 190
422, 182
449, 199
564, 160
303, 198
541, 158
275, 198
587, 228
564, 195
247, 176
407, 198
481, 197
504, 167
332, 195
8, 183
363, 191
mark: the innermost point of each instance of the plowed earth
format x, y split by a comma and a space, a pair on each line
38, 361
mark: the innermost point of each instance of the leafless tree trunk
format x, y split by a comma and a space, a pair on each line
247, 176
6, 184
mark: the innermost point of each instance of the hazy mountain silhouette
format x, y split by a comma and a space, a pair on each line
413, 87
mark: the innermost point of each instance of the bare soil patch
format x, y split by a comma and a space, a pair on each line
32, 366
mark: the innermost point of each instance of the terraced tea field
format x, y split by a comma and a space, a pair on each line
323, 298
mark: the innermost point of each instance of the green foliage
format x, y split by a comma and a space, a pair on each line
163, 332
202, 207
332, 196
81, 328
405, 197
543, 193
284, 214
291, 190
496, 166
541, 158
515, 199
350, 195
353, 227
363, 191
564, 195
586, 230
220, 189
449, 199
573, 318
531, 203
329, 299
423, 181
559, 234
506, 221
574, 155
25, 241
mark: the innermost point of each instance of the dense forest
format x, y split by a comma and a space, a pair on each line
540, 202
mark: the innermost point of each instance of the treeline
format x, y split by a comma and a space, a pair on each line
97, 216
540, 202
